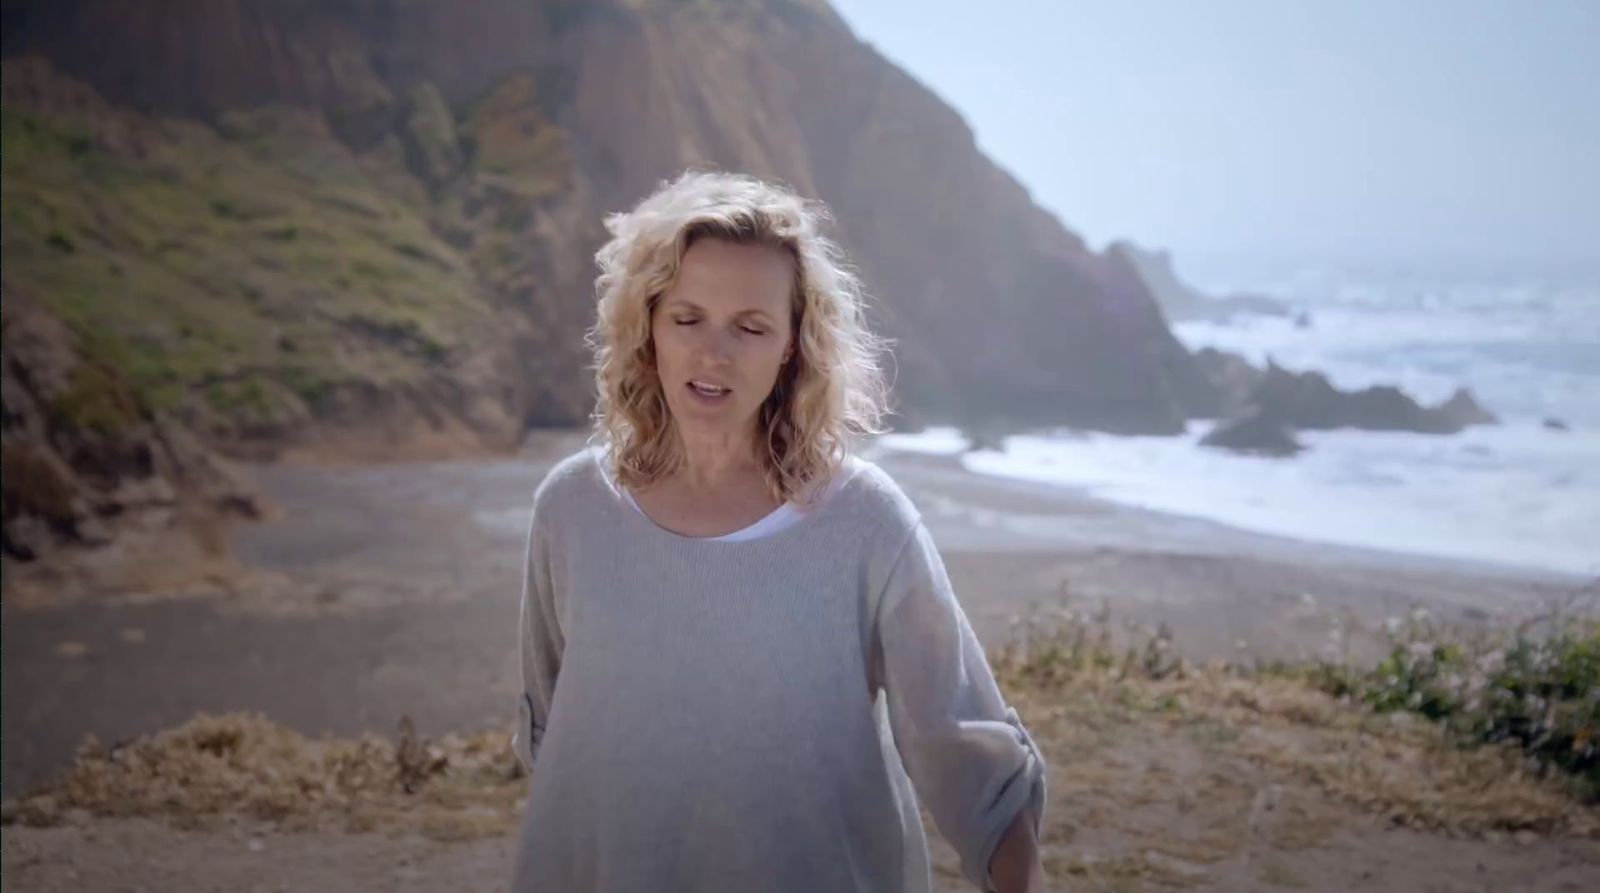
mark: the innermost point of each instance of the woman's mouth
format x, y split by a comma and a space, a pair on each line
706, 392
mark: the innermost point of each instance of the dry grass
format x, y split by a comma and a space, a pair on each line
459, 787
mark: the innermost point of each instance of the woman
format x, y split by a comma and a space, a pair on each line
742, 659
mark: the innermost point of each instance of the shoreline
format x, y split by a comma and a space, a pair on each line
1181, 528
1223, 591
1259, 536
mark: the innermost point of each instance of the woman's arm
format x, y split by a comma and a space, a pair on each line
970, 758
540, 643
1016, 867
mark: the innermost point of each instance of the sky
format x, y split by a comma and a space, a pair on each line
1341, 130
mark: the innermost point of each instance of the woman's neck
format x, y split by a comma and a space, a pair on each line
716, 460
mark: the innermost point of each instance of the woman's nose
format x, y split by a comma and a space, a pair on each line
718, 345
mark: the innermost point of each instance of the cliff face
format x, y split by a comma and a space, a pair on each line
85, 467
998, 308
367, 226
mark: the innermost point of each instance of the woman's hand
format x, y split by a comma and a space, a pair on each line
1015, 866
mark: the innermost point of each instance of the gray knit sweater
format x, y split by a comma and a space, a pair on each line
756, 715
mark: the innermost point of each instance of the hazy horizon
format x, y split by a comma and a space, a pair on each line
1427, 133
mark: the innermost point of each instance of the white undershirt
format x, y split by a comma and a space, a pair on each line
779, 518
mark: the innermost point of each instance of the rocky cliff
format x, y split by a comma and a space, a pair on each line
88, 470
366, 226
543, 116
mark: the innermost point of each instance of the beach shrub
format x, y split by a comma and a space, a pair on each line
1535, 684
1532, 684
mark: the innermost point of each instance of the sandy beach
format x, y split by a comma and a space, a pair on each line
390, 590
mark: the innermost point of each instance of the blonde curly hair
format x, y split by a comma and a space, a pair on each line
830, 392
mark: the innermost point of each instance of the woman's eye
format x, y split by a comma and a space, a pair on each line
685, 322
752, 331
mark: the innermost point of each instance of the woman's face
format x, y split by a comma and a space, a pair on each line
722, 332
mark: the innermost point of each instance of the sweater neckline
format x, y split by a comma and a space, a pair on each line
780, 516
618, 499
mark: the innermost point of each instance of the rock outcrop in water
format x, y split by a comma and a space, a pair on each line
1264, 407
1307, 400
1257, 433
1233, 378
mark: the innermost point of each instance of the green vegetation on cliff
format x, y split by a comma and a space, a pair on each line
242, 273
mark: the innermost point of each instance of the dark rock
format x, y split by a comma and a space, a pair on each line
1462, 410
1266, 407
83, 460
1255, 433
1555, 424
984, 438
1233, 378
1307, 400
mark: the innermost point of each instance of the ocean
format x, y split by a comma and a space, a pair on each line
1518, 494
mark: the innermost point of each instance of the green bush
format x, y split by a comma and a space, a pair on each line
1536, 684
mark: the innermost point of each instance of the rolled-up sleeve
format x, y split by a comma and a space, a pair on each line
966, 751
540, 644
